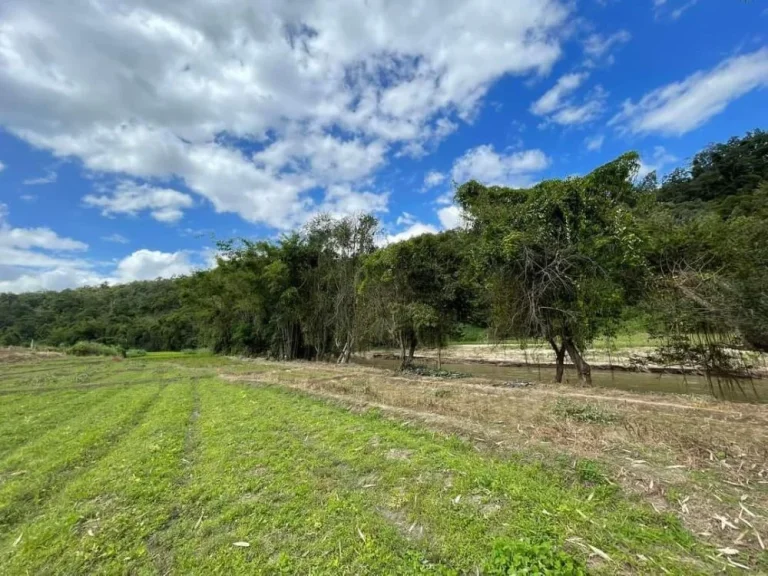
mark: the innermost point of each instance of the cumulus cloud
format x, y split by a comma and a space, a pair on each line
415, 229
680, 107
485, 165
164, 204
433, 178
33, 259
257, 109
150, 264
450, 217
29, 255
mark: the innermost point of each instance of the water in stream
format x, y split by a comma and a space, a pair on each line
752, 391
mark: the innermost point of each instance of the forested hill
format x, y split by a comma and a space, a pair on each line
562, 262
145, 315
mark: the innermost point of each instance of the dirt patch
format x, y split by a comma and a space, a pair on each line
398, 454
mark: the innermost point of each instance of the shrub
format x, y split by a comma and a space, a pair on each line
93, 349
135, 353
585, 412
520, 557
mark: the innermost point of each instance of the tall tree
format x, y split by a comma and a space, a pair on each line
561, 258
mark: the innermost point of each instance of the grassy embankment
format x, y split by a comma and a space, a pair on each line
192, 464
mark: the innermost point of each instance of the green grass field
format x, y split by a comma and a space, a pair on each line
157, 466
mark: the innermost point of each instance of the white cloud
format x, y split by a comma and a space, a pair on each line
150, 264
116, 239
405, 219
557, 105
341, 200
164, 204
29, 255
33, 238
322, 92
451, 217
598, 47
680, 107
415, 229
594, 143
485, 165
656, 161
580, 114
673, 10
28, 197
433, 178
553, 98
49, 178
33, 259
2, 166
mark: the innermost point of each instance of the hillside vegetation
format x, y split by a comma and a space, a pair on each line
565, 262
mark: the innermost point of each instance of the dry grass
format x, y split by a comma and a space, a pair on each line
704, 460
13, 354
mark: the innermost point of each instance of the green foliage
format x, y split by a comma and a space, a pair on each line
590, 472
584, 412
561, 259
724, 174
518, 557
148, 315
567, 262
93, 349
417, 291
135, 353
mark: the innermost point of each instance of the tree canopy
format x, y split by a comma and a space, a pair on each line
563, 261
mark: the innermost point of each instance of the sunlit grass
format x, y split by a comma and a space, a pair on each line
167, 469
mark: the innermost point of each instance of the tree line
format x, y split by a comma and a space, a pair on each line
562, 262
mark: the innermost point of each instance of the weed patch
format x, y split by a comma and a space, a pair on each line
584, 412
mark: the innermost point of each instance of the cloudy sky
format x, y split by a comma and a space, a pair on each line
132, 132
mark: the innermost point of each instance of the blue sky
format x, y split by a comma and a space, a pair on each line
133, 132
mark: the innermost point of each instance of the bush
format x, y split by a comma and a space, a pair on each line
520, 557
93, 349
135, 353
585, 412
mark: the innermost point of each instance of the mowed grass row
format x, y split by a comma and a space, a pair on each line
36, 469
206, 477
103, 520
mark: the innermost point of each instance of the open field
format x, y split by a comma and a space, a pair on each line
174, 464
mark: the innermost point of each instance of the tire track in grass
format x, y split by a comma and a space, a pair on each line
100, 522
255, 482
33, 473
161, 555
24, 421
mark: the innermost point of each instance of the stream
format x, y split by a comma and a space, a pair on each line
750, 391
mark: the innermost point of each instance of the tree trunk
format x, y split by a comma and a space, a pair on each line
560, 360
403, 363
411, 349
439, 357
345, 353
584, 370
